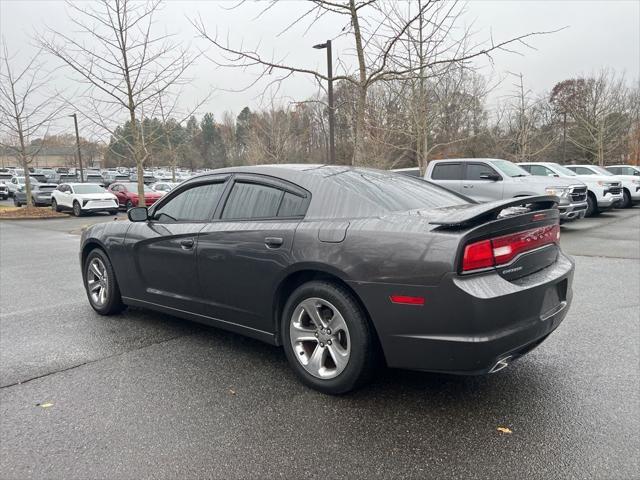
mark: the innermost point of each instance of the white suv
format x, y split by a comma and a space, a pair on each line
630, 176
606, 186
81, 198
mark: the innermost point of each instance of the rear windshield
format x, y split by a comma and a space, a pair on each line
133, 187
395, 192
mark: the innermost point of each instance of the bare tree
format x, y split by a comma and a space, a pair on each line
377, 35
26, 109
125, 66
602, 116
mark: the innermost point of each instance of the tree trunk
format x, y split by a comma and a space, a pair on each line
358, 140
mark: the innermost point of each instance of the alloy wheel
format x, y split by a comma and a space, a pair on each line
320, 338
97, 282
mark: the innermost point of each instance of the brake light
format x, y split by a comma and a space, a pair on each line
502, 250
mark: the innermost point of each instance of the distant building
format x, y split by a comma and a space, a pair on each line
53, 157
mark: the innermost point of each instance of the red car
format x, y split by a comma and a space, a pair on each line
127, 194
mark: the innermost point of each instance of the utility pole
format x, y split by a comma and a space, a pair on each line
332, 143
75, 122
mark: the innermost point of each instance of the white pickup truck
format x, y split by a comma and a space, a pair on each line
630, 176
488, 179
607, 189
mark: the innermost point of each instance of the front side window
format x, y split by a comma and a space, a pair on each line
447, 171
252, 200
475, 171
583, 171
541, 170
510, 169
193, 205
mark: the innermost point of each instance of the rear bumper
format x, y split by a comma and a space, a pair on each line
468, 324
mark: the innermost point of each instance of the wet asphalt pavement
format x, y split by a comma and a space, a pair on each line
145, 395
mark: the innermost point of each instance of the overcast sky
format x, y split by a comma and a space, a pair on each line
599, 34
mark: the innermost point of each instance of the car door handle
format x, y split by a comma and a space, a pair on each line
273, 242
187, 243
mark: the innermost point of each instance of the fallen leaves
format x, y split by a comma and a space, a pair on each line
44, 405
504, 430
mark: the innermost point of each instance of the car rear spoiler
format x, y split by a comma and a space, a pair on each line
483, 212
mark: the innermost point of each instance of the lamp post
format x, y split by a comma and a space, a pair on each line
332, 144
75, 122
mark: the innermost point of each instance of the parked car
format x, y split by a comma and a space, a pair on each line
488, 179
339, 263
5, 179
164, 187
17, 182
40, 194
67, 178
594, 184
83, 198
630, 177
114, 177
608, 190
93, 178
127, 194
631, 170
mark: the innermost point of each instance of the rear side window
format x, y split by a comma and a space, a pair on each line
193, 205
447, 171
476, 170
292, 205
251, 200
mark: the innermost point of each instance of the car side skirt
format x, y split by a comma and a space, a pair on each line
267, 337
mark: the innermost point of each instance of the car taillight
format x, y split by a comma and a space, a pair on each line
502, 250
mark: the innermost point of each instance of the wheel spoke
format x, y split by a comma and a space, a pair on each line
311, 308
103, 294
337, 323
96, 271
339, 355
316, 361
93, 285
300, 334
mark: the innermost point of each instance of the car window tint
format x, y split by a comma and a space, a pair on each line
583, 171
447, 171
251, 200
475, 170
291, 206
540, 170
194, 205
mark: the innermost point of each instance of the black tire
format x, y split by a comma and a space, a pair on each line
128, 205
113, 304
113, 212
626, 199
77, 211
592, 206
16, 202
54, 205
363, 356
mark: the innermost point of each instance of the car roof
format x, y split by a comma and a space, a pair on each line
73, 184
468, 160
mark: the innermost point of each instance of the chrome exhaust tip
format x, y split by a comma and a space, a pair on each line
500, 364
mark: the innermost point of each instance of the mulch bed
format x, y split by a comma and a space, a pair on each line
29, 213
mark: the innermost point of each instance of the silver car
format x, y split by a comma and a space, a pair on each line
490, 179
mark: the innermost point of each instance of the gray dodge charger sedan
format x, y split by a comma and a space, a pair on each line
346, 268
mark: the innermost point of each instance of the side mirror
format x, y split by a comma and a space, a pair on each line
490, 176
138, 214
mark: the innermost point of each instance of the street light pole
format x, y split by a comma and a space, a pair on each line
564, 137
75, 122
332, 144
